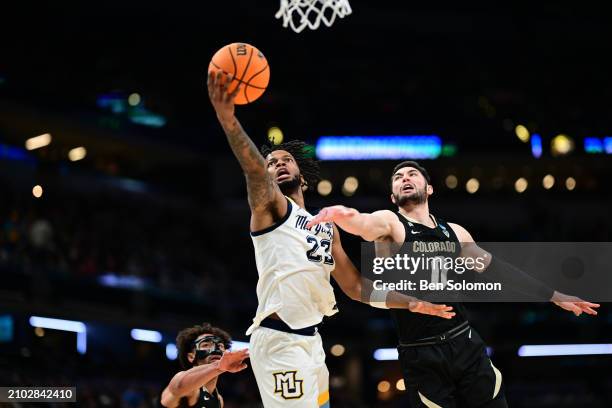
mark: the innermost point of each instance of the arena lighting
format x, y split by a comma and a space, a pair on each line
239, 345
547, 350
596, 145
337, 350
520, 185
37, 191
384, 386
171, 351
451, 181
448, 150
536, 145
151, 336
593, 145
390, 354
275, 135
385, 354
134, 99
472, 185
522, 133
561, 145
350, 186
400, 385
38, 141
78, 153
65, 325
324, 187
378, 147
13, 153
548, 181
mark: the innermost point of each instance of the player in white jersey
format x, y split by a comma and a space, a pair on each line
294, 265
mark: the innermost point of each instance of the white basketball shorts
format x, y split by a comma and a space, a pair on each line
289, 368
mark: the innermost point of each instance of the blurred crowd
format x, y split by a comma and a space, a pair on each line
117, 240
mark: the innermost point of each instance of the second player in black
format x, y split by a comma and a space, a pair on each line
444, 361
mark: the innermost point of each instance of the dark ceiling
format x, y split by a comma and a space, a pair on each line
390, 67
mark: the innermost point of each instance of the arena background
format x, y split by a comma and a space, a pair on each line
150, 229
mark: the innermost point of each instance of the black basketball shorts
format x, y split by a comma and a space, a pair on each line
455, 373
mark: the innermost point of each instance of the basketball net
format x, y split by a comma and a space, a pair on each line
299, 14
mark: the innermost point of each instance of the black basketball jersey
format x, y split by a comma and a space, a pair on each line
205, 400
414, 326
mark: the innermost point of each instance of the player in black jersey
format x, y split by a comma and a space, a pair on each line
444, 360
203, 353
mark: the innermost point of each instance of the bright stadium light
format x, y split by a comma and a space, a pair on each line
151, 336
472, 185
350, 186
385, 354
58, 324
570, 183
134, 99
38, 141
400, 385
324, 187
384, 386
391, 354
561, 145
522, 133
65, 325
607, 141
593, 145
520, 185
171, 351
37, 191
337, 350
378, 147
548, 181
546, 350
275, 135
239, 345
78, 153
536, 145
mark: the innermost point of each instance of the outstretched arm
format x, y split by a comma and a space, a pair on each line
190, 381
517, 279
359, 289
370, 227
264, 195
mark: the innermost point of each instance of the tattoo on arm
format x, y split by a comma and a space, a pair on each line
260, 186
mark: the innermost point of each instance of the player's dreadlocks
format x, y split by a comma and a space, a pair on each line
309, 167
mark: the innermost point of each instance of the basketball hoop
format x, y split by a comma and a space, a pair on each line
299, 14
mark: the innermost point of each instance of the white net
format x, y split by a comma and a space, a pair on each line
299, 14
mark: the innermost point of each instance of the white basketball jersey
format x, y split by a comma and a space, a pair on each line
294, 266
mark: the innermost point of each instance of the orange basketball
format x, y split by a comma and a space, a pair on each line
248, 68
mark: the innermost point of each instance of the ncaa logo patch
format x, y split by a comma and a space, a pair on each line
445, 231
288, 385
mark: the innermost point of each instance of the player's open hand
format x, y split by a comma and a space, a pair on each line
221, 99
574, 304
233, 361
330, 214
420, 306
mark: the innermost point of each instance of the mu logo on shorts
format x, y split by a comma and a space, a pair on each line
287, 385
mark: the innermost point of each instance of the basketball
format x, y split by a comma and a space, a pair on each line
248, 68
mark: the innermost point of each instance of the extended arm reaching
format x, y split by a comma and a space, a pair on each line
360, 289
186, 382
263, 192
499, 270
370, 227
